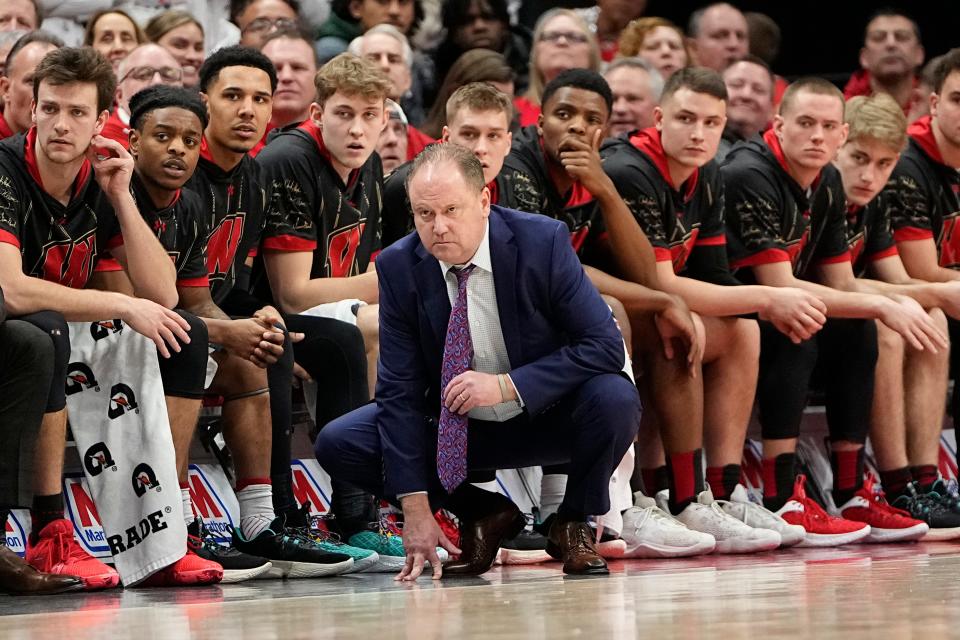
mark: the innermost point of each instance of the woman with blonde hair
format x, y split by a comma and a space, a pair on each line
182, 35
561, 41
659, 42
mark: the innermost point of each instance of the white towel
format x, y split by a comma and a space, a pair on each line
119, 421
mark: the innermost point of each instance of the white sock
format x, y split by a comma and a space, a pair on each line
256, 509
552, 488
187, 505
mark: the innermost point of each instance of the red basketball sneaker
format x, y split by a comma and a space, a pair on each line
57, 551
887, 523
823, 530
189, 570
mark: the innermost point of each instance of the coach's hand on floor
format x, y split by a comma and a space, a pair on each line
421, 537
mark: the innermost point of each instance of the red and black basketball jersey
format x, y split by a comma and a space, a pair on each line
770, 218
529, 188
869, 237
57, 242
922, 197
311, 209
397, 216
677, 221
179, 228
232, 214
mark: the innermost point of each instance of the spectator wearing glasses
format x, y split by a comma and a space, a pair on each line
114, 34
146, 66
182, 35
561, 41
257, 19
16, 83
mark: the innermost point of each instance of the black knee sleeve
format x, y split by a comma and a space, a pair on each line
333, 353
184, 372
53, 324
783, 383
280, 380
848, 354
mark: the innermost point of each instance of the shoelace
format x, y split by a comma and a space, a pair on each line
657, 514
205, 538
68, 548
879, 501
320, 533
583, 540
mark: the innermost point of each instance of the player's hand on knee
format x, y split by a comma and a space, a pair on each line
166, 328
794, 312
911, 321
675, 325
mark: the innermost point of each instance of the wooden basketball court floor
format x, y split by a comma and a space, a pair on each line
865, 591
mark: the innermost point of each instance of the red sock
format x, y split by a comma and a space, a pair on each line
243, 483
769, 477
686, 477
654, 480
715, 480
925, 475
849, 473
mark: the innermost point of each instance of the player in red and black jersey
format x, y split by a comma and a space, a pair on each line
237, 85
910, 385
478, 118
325, 189
922, 198
65, 199
673, 189
785, 209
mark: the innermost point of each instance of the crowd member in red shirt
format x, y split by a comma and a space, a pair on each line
891, 55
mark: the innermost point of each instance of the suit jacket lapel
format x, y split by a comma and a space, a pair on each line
503, 256
433, 292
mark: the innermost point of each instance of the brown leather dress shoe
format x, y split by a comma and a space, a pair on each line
480, 540
19, 578
572, 542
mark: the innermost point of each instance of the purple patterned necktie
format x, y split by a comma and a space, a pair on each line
457, 357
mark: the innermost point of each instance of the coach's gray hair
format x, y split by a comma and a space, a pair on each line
656, 80
464, 159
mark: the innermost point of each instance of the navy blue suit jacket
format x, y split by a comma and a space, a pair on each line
558, 331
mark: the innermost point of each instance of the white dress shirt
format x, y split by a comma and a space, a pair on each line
483, 317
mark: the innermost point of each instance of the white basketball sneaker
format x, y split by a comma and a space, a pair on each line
732, 536
752, 514
650, 532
